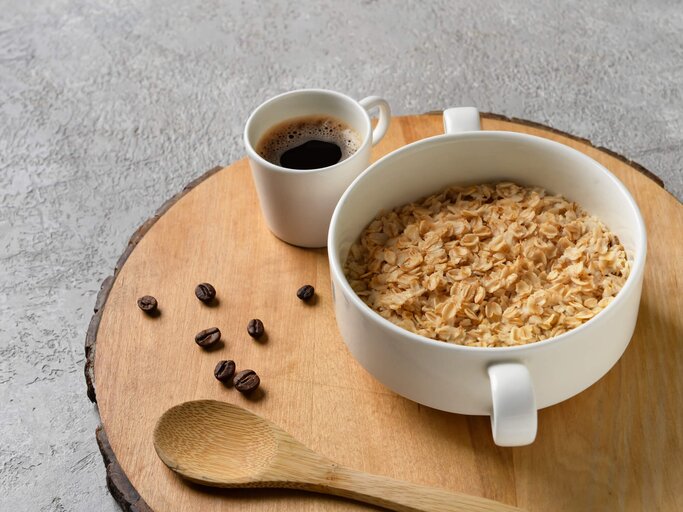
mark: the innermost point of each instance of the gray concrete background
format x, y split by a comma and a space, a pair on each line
108, 108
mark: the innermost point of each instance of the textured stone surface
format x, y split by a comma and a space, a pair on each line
108, 108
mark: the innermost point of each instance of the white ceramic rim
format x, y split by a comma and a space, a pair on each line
251, 152
637, 264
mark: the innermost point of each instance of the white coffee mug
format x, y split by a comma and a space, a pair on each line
507, 383
297, 204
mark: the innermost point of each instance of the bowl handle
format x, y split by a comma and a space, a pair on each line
514, 417
461, 119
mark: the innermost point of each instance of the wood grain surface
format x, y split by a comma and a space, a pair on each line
616, 446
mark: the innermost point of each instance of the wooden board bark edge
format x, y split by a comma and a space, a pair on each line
118, 483
120, 487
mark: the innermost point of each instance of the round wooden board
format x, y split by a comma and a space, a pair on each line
616, 446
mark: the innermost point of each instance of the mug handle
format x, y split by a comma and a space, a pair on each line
461, 119
384, 115
514, 417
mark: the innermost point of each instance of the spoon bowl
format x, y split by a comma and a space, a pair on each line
223, 445
195, 439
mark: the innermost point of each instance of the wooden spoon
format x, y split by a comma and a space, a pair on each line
222, 445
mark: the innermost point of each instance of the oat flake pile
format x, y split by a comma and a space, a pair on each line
489, 265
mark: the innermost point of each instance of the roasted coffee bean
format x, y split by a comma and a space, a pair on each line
148, 304
205, 292
224, 370
208, 336
255, 328
305, 292
246, 381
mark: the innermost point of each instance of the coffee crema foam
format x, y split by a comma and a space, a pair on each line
295, 132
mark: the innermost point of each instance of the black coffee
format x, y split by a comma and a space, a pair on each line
310, 142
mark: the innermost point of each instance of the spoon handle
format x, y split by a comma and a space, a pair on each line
402, 496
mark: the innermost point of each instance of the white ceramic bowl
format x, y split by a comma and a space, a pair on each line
508, 383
